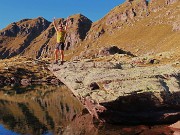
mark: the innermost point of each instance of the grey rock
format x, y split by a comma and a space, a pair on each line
26, 82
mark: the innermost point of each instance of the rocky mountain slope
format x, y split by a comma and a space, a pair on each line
16, 37
36, 37
136, 26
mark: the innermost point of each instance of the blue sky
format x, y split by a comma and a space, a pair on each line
15, 10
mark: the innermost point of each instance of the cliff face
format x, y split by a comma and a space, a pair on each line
136, 26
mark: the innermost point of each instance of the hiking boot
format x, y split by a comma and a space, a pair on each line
56, 62
62, 62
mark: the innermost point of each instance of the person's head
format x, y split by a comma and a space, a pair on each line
60, 27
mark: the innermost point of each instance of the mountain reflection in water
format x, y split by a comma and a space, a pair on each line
53, 110
37, 110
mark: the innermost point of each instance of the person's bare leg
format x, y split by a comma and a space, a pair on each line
62, 56
56, 55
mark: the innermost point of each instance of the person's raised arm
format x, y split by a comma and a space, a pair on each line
54, 23
67, 21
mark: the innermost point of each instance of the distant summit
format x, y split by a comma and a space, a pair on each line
16, 37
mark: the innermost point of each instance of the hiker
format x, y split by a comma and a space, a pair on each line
61, 33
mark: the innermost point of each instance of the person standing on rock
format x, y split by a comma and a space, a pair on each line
61, 33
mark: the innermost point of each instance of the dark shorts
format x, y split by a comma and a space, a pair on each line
60, 46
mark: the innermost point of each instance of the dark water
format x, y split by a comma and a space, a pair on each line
53, 110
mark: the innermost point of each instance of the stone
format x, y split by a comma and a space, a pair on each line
153, 61
25, 82
176, 26
168, 2
94, 86
105, 51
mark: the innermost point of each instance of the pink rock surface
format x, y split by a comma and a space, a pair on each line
176, 125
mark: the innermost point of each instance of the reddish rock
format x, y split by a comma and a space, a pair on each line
176, 125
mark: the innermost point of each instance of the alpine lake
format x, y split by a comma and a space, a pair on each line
43, 109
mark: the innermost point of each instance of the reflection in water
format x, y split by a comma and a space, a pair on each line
38, 110
4, 131
53, 110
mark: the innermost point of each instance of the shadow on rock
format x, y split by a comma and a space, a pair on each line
143, 108
113, 50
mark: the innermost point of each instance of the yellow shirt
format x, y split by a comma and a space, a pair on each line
61, 36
